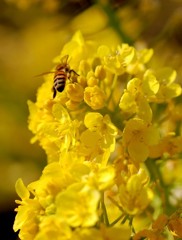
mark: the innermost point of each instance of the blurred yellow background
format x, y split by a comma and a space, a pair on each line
27, 49
32, 34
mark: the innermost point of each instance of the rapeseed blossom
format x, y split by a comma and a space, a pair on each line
105, 136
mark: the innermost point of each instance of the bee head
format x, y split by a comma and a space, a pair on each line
64, 67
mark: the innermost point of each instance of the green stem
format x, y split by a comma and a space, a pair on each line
104, 210
154, 171
114, 81
131, 224
156, 176
114, 21
117, 220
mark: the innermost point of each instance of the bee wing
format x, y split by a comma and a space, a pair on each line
42, 74
64, 59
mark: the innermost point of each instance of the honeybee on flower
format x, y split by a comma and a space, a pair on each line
62, 73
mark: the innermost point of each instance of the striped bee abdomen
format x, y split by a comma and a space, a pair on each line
59, 82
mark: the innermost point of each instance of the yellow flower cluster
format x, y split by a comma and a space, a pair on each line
102, 135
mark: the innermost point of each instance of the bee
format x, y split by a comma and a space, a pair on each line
62, 73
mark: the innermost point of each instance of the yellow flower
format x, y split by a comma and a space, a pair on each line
90, 145
102, 177
59, 229
150, 85
168, 89
94, 97
78, 49
66, 195
78, 205
117, 60
75, 92
137, 137
95, 122
138, 64
135, 195
139, 93
28, 213
97, 134
133, 101
52, 125
168, 145
97, 141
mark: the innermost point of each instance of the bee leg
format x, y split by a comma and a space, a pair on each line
73, 75
72, 71
54, 92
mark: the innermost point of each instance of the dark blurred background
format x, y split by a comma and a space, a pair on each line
32, 33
